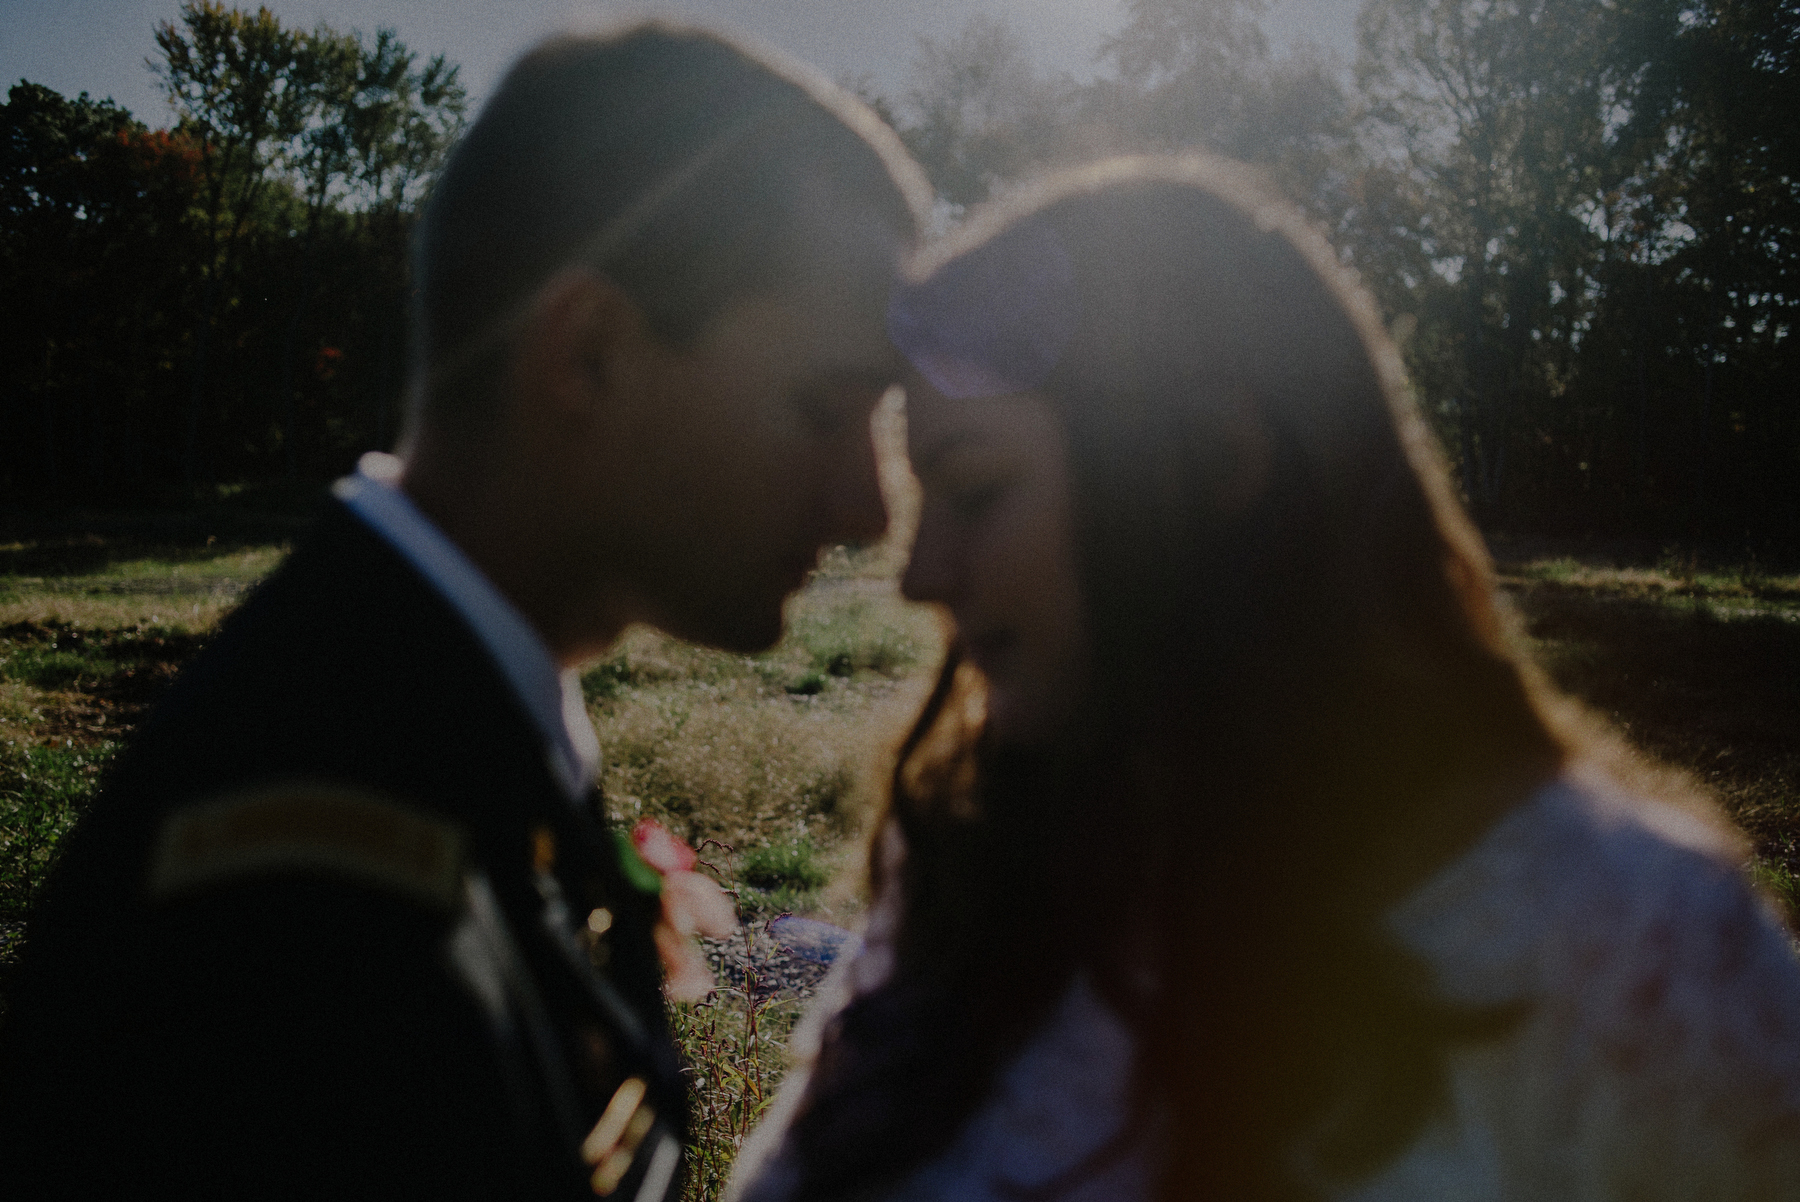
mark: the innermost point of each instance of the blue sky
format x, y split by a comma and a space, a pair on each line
99, 46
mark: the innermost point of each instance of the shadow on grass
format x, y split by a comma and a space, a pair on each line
50, 543
117, 669
1718, 697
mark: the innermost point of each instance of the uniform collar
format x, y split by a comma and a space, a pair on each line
552, 698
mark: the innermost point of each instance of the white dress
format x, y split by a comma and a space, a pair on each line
1659, 1057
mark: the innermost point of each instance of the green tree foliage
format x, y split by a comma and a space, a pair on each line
1580, 215
1494, 124
1721, 210
979, 111
379, 123
97, 254
1183, 74
1200, 73
240, 82
223, 301
1585, 209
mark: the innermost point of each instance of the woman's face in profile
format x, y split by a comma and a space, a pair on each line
995, 546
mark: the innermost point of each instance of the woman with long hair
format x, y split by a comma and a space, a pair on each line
1237, 853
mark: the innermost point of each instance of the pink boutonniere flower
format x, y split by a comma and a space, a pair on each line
692, 904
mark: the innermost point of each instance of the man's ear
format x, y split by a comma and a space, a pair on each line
580, 346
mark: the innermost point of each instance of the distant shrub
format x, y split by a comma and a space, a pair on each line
846, 639
797, 865
738, 764
757, 905
828, 790
607, 679
807, 684
1680, 565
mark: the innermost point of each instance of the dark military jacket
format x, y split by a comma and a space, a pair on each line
330, 930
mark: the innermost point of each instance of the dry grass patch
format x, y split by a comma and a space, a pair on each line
18, 710
734, 1044
186, 615
106, 587
783, 750
1746, 589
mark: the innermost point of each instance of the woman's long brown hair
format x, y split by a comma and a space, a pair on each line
1301, 704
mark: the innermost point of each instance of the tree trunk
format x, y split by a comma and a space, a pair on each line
290, 423
1643, 424
96, 409
384, 384
190, 456
48, 396
1705, 441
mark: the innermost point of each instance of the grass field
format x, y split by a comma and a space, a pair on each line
1699, 669
767, 763
777, 759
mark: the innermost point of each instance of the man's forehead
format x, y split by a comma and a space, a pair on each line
832, 325
806, 341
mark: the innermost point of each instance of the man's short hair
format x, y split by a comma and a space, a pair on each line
670, 159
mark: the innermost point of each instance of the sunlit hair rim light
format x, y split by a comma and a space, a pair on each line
607, 242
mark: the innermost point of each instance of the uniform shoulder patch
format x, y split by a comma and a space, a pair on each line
309, 829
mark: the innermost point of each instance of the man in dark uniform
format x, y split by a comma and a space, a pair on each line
347, 920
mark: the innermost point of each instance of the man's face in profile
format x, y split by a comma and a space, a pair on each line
753, 450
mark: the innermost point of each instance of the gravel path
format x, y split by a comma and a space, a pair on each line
783, 956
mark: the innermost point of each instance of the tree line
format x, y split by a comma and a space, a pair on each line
223, 300
1577, 215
